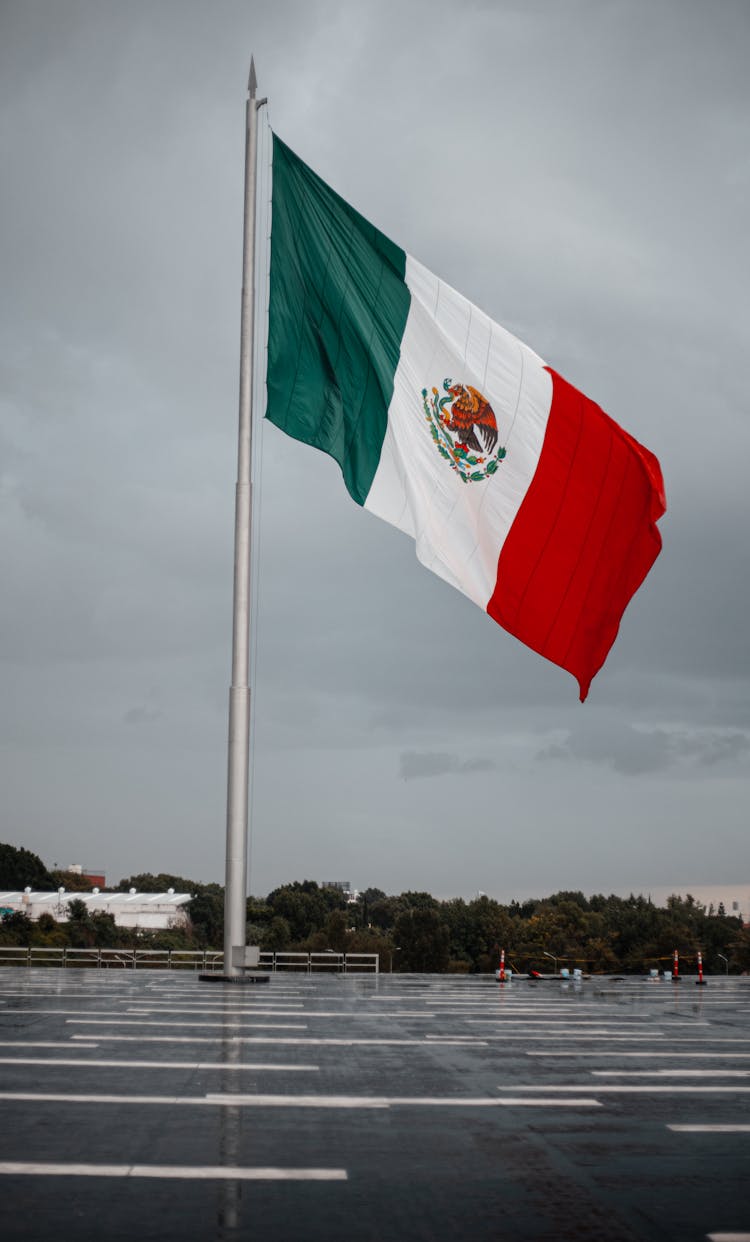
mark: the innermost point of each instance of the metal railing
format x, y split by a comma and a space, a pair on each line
113, 959
314, 963
185, 959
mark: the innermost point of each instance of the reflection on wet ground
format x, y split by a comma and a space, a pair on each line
148, 1105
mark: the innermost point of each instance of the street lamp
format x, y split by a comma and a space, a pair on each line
554, 959
725, 960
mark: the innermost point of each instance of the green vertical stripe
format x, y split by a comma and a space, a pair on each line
337, 312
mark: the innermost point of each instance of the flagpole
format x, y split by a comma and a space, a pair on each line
236, 959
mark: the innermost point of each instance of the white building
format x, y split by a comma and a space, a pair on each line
133, 909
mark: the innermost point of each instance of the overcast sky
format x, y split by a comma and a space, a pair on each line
581, 171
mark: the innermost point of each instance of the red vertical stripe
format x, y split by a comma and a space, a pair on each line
583, 540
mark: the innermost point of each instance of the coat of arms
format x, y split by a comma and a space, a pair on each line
464, 429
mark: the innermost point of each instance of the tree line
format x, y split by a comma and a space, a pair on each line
412, 931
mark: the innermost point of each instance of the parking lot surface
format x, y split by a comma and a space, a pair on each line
378, 1108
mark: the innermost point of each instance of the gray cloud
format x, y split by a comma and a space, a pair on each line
143, 714
634, 751
414, 765
587, 184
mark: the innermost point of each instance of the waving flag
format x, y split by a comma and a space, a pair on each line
517, 489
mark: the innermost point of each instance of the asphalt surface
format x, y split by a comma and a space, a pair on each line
149, 1105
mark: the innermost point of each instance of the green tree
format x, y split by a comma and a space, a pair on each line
19, 869
277, 935
258, 911
372, 894
80, 933
305, 906
384, 911
419, 901
739, 950
145, 882
206, 911
48, 933
422, 938
336, 931
16, 929
71, 881
105, 932
259, 915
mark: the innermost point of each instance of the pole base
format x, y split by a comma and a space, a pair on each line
676, 979
241, 980
700, 983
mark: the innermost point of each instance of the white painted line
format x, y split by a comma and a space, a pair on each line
672, 1056
396, 1101
562, 1030
212, 1011
583, 1036
31, 1011
116, 994
640, 1089
221, 1026
728, 1237
227, 1100
548, 1102
186, 1171
307, 1041
707, 1129
229, 1005
590, 1037
563, 1024
671, 1073
162, 1065
305, 1013
437, 1040
568, 1024
40, 1043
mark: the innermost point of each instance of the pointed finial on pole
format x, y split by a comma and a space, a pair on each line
252, 82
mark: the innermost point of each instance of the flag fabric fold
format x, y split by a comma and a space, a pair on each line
516, 488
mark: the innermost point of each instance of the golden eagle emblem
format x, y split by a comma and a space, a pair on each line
464, 429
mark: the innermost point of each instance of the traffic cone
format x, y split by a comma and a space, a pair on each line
501, 971
700, 981
676, 968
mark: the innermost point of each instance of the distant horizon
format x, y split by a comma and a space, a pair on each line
705, 893
576, 171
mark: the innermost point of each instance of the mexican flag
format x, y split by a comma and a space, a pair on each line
516, 488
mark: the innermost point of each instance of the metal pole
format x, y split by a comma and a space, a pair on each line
239, 694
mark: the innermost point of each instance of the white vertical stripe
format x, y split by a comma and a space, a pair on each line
459, 527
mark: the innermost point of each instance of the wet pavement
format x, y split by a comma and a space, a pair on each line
153, 1106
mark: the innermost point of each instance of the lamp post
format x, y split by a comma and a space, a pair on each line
554, 959
725, 960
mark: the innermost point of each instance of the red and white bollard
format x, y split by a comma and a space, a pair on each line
700, 981
501, 972
676, 968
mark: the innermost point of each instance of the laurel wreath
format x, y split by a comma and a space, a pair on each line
470, 467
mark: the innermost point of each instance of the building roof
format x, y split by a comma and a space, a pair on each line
101, 901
